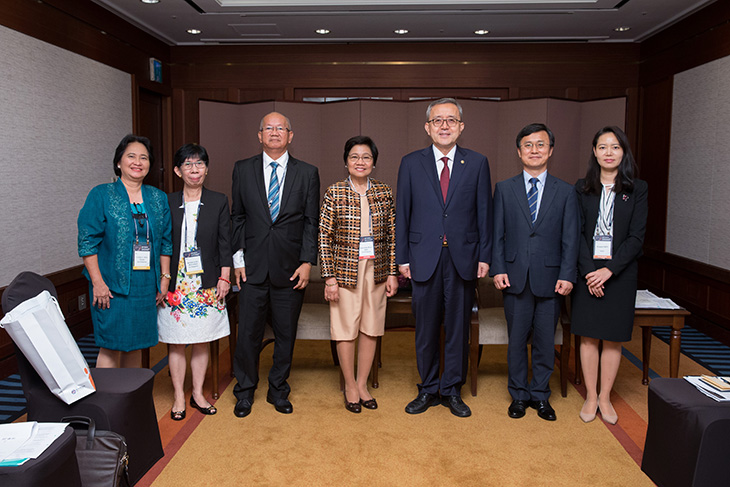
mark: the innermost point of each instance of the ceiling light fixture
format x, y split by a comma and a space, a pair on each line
194, 31
481, 32
622, 29
401, 32
150, 1
322, 32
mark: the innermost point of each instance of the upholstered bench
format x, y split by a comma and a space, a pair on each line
489, 327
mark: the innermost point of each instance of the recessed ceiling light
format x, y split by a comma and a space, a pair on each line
622, 29
150, 1
481, 32
322, 31
194, 31
401, 32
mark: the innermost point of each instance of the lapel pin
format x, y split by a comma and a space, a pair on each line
462, 161
626, 197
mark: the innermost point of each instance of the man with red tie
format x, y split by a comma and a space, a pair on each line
443, 244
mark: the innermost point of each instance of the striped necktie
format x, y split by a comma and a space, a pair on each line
273, 197
532, 199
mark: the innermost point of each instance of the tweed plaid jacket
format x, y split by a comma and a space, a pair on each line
339, 232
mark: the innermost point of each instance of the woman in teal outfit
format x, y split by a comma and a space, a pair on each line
125, 242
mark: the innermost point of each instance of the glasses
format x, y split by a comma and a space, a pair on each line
539, 146
439, 122
187, 165
279, 130
356, 157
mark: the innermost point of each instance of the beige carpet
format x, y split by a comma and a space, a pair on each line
323, 444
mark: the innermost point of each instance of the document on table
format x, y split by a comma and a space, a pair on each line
707, 389
19, 442
648, 300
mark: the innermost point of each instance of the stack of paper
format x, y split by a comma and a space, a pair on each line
649, 300
717, 388
19, 442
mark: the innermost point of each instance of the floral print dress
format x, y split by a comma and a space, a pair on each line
191, 314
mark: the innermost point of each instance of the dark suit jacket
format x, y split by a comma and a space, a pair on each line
548, 249
629, 226
275, 249
214, 235
422, 217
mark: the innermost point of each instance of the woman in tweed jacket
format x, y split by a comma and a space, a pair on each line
357, 255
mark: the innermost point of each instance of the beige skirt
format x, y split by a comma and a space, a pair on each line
361, 309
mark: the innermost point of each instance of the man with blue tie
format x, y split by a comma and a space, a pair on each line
534, 264
275, 214
443, 244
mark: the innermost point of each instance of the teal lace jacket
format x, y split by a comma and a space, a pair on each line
106, 229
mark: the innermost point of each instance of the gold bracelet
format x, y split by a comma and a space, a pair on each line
330, 285
166, 276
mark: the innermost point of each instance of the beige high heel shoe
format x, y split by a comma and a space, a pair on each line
609, 418
587, 417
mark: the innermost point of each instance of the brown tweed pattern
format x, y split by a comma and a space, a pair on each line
339, 232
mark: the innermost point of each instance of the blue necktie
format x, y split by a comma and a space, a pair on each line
273, 197
532, 199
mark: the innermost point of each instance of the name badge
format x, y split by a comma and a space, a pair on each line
367, 247
602, 247
142, 253
193, 262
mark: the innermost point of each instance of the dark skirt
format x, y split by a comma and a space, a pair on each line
610, 317
130, 323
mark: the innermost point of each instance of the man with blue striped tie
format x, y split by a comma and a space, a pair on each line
275, 215
534, 264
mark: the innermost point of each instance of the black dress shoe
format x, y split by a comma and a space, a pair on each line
421, 403
281, 405
517, 408
243, 408
457, 406
544, 410
369, 404
353, 407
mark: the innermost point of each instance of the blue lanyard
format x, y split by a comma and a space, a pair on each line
138, 209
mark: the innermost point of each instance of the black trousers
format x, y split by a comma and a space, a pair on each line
527, 315
446, 298
257, 304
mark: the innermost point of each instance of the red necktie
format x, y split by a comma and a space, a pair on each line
445, 178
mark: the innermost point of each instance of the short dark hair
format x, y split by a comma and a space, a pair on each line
189, 151
361, 140
626, 169
130, 139
533, 128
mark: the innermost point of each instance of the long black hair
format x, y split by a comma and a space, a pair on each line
627, 169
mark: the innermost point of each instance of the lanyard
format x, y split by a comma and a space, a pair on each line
196, 215
370, 213
138, 209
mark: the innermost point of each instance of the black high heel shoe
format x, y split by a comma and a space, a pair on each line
353, 407
177, 415
209, 410
369, 404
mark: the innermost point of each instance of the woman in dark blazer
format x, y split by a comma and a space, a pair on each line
195, 310
613, 207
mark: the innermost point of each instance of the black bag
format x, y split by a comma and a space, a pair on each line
102, 455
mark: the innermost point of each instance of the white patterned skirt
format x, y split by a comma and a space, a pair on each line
191, 314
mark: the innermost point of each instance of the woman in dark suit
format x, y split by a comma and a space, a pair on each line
613, 207
195, 310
